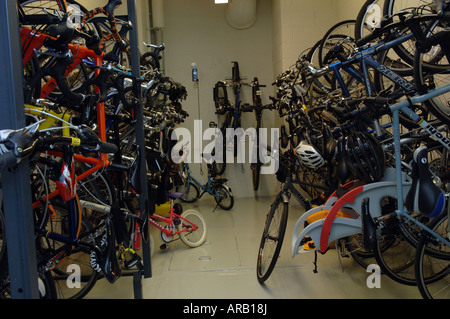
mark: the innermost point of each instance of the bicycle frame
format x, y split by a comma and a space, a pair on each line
79, 53
401, 211
366, 59
204, 187
155, 219
288, 189
404, 107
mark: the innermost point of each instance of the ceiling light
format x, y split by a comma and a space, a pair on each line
220, 1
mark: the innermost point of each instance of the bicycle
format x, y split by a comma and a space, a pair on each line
258, 108
71, 239
371, 217
216, 187
232, 116
276, 220
189, 225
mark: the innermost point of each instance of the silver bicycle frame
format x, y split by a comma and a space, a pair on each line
403, 106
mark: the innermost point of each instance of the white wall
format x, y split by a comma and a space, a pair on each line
197, 31
299, 24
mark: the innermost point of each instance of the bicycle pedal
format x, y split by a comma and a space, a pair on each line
163, 246
132, 262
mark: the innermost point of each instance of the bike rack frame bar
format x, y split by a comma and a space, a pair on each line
16, 182
140, 140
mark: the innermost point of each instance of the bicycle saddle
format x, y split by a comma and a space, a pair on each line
174, 195
424, 196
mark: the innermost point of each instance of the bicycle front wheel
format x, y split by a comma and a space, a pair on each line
190, 192
272, 239
433, 261
195, 228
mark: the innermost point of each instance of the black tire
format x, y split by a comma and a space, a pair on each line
426, 80
223, 197
368, 18
435, 257
395, 251
190, 192
272, 239
77, 256
219, 167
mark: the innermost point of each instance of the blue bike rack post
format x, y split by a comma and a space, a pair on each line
140, 140
16, 182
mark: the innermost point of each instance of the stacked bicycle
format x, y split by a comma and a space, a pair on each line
80, 106
364, 111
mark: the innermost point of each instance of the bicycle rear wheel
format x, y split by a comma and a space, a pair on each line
223, 197
192, 238
428, 80
433, 260
272, 239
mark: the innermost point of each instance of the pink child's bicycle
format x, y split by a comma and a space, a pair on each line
189, 225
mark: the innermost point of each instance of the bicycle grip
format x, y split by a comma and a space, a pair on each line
108, 148
7, 160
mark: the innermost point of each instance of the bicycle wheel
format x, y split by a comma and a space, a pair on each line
433, 260
220, 166
272, 239
190, 192
72, 271
223, 197
427, 80
395, 250
369, 18
192, 238
74, 277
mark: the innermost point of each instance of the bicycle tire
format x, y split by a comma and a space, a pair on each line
273, 233
338, 32
219, 166
429, 80
88, 276
434, 256
221, 193
190, 192
395, 251
368, 18
197, 237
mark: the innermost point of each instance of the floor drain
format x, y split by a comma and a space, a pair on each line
205, 258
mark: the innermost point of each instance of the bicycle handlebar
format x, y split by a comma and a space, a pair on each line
22, 144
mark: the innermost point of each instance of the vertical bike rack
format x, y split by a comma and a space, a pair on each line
16, 182
140, 140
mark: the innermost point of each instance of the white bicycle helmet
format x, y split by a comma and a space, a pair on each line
308, 155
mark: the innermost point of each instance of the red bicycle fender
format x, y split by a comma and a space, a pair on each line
328, 222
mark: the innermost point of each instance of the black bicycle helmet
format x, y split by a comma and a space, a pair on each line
364, 157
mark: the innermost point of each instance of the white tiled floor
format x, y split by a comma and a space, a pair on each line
225, 266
